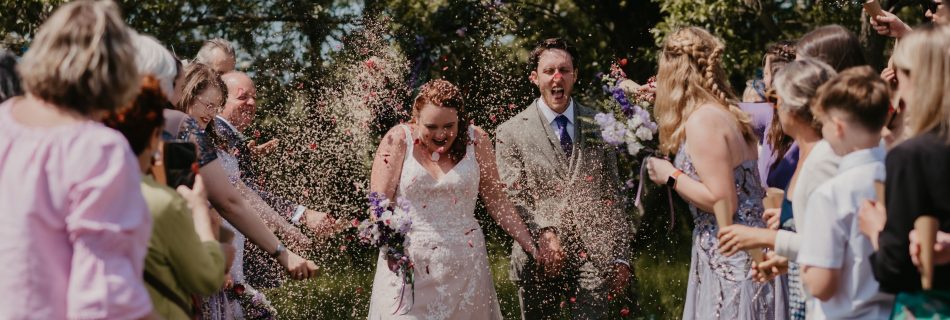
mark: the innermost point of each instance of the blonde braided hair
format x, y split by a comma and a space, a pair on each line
689, 76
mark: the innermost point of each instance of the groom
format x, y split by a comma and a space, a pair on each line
563, 180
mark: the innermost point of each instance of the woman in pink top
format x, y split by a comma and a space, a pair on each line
74, 228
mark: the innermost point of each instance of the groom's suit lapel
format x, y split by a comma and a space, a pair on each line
546, 140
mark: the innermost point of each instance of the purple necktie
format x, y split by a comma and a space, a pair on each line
566, 143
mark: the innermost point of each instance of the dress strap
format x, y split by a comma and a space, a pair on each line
409, 141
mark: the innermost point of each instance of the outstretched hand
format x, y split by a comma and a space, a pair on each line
736, 237
298, 267
264, 149
322, 224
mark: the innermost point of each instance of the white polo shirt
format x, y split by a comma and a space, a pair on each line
830, 238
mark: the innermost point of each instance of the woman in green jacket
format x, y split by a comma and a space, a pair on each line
184, 258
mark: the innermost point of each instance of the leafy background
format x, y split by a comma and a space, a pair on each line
318, 94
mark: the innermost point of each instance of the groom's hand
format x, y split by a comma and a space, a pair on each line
550, 253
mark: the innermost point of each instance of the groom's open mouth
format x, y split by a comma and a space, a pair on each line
557, 93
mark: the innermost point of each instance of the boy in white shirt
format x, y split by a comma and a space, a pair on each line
852, 108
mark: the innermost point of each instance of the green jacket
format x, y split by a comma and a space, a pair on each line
176, 256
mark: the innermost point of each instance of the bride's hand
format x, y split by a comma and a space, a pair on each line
659, 169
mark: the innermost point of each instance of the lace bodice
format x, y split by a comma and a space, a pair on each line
446, 204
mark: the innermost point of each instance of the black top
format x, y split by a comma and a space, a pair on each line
918, 183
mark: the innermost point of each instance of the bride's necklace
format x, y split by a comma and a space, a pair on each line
436, 155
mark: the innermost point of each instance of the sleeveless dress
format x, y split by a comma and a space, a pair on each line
220, 306
720, 287
446, 246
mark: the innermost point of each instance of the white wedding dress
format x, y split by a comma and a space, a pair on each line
447, 247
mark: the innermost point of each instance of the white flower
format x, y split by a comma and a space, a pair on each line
386, 217
634, 148
634, 122
401, 222
645, 134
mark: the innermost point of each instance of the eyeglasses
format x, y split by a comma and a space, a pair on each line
211, 106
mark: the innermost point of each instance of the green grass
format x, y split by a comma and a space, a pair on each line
342, 291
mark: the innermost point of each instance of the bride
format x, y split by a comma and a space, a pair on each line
440, 164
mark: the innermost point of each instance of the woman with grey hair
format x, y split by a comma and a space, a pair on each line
9, 80
231, 203
75, 229
796, 86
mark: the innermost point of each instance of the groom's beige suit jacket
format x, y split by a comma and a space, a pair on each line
579, 196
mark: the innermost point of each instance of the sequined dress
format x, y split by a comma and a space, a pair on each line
720, 287
452, 275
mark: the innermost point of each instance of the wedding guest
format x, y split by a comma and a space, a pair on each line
563, 182
9, 79
852, 108
218, 54
184, 258
795, 89
202, 98
715, 161
75, 229
834, 45
778, 156
917, 175
226, 199
238, 113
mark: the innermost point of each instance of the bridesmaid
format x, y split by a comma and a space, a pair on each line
715, 160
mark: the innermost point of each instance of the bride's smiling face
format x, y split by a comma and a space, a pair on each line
438, 126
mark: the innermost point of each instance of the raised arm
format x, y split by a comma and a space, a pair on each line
242, 216
493, 193
387, 163
274, 220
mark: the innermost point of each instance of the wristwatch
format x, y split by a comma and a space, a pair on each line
671, 180
277, 252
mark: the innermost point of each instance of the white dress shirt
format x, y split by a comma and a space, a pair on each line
550, 115
835, 241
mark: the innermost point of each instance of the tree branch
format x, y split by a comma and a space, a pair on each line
211, 20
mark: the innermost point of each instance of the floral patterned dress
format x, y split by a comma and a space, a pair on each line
720, 287
452, 275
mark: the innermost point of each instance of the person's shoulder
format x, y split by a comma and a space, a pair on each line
708, 114
97, 140
161, 199
397, 135
926, 143
516, 122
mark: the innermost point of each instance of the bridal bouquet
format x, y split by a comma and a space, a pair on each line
388, 229
628, 123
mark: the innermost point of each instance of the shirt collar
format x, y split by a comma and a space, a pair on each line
861, 157
227, 123
550, 114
